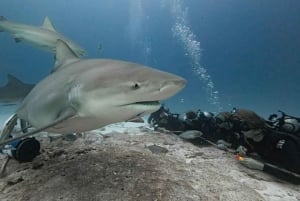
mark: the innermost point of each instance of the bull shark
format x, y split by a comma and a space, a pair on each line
86, 94
43, 37
14, 91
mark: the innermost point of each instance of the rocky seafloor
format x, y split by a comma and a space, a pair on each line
137, 164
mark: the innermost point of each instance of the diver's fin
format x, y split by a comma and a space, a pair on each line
65, 115
48, 24
64, 55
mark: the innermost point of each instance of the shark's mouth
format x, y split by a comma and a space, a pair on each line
146, 103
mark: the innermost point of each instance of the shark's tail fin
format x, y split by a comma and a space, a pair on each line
1, 20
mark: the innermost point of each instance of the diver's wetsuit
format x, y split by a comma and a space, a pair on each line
280, 149
163, 118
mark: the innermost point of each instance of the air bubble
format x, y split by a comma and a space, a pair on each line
183, 33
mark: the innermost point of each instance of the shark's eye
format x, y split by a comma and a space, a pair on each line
136, 86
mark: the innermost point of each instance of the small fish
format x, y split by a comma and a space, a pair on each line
99, 47
191, 134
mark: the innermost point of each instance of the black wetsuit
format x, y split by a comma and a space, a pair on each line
164, 119
279, 149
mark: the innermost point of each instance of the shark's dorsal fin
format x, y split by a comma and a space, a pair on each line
13, 81
2, 18
64, 55
48, 24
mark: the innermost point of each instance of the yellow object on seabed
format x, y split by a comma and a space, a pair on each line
239, 157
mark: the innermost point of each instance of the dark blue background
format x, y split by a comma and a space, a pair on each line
249, 48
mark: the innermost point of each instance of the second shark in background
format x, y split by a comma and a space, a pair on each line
43, 37
14, 91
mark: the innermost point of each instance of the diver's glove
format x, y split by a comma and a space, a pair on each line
252, 164
241, 150
222, 144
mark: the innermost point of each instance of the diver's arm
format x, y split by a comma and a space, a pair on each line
282, 173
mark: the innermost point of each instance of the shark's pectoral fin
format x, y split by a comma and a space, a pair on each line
66, 114
17, 38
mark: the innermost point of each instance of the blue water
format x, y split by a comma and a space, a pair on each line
233, 53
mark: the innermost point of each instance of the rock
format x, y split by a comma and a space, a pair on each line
37, 165
56, 153
194, 155
157, 149
191, 134
93, 138
15, 181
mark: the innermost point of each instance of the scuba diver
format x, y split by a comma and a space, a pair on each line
226, 133
163, 118
276, 143
199, 120
230, 127
190, 120
285, 123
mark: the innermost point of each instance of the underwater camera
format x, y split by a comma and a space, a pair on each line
24, 150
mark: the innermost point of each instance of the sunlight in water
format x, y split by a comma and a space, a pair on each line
136, 29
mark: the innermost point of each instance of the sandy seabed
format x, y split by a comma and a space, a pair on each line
129, 161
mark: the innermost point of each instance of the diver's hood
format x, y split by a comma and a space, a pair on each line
255, 134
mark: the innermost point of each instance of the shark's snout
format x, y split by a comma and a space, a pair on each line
180, 83
170, 87
177, 84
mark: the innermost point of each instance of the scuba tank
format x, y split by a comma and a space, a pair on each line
285, 123
290, 125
